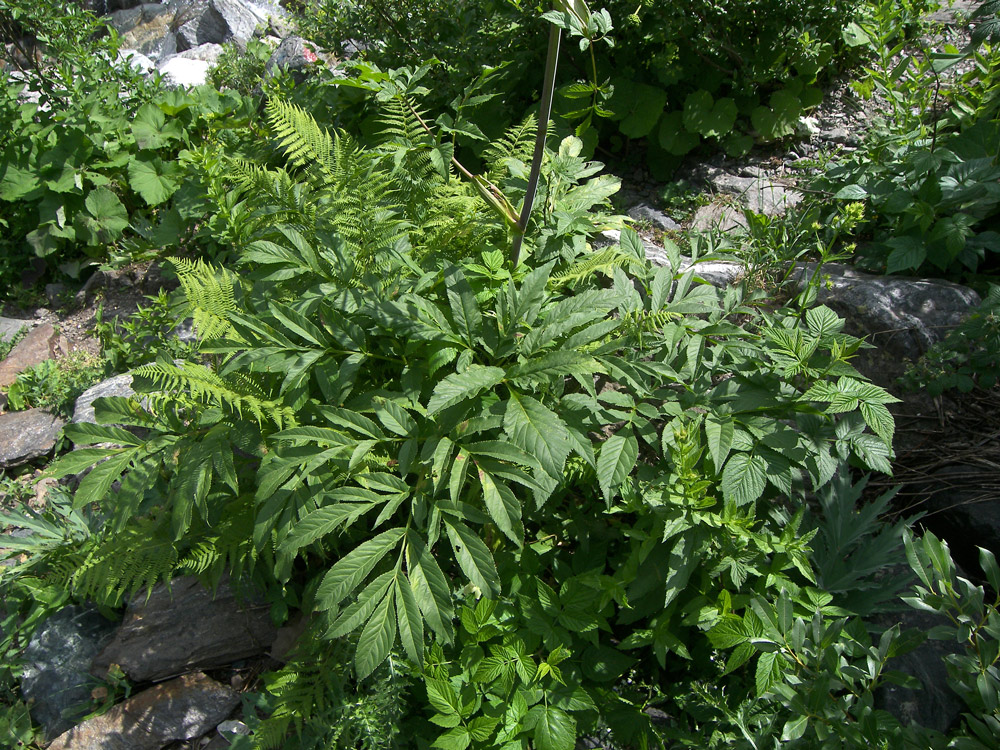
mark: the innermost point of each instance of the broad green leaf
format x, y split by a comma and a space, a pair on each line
395, 418
95, 486
503, 507
474, 558
411, 624
554, 729
616, 461
536, 429
107, 217
360, 611
430, 587
558, 364
351, 570
719, 430
153, 179
86, 433
317, 523
744, 478
465, 312
458, 387
376, 639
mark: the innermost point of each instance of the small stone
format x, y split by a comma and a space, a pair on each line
27, 435
659, 220
807, 127
181, 709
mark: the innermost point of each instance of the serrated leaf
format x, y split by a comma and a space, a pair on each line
376, 639
503, 507
744, 478
430, 587
465, 312
96, 485
473, 557
554, 729
719, 430
537, 430
317, 523
411, 624
769, 671
616, 461
351, 570
459, 387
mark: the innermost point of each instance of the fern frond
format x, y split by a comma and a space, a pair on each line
516, 143
197, 384
603, 261
300, 136
211, 295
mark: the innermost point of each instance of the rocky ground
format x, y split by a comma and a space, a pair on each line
189, 652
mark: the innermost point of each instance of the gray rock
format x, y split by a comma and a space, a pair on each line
842, 136
719, 217
209, 53
55, 678
757, 193
217, 21
178, 72
41, 343
27, 435
136, 60
902, 316
146, 28
181, 709
186, 627
119, 385
935, 706
645, 212
55, 294
294, 55
10, 327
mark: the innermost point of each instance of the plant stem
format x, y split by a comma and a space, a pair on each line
545, 112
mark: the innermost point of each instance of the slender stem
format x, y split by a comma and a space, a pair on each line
544, 113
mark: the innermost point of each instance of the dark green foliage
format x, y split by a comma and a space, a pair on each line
89, 171
148, 334
969, 356
928, 171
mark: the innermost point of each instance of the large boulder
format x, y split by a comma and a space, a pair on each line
186, 626
55, 680
294, 55
181, 709
217, 22
27, 435
147, 29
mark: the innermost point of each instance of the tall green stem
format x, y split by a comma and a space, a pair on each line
544, 113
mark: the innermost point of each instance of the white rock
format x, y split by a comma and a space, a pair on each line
807, 127
136, 60
177, 71
208, 52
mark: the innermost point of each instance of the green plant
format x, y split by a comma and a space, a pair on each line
239, 68
89, 168
968, 356
54, 384
928, 170
147, 334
